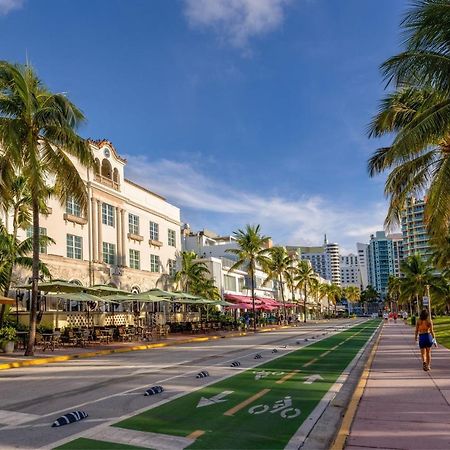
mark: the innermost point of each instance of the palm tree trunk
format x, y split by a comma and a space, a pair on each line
304, 304
417, 304
253, 301
282, 297
35, 279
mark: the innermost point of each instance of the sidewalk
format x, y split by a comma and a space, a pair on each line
17, 359
402, 406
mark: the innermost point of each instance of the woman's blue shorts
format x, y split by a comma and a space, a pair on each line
425, 340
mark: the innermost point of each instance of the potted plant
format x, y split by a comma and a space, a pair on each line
8, 337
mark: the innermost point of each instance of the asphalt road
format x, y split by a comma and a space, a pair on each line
111, 387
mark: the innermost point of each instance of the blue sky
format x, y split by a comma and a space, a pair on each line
238, 111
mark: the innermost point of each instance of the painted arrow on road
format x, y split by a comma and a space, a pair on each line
213, 400
311, 378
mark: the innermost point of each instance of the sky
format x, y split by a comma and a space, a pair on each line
237, 111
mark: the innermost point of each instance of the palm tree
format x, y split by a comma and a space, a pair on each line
278, 267
37, 139
441, 252
418, 274
305, 279
351, 293
335, 294
191, 273
15, 253
251, 252
394, 290
369, 295
418, 113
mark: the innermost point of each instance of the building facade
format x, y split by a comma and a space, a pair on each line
350, 275
325, 260
381, 261
129, 236
363, 264
397, 249
415, 237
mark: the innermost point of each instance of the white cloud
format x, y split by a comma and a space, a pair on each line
236, 21
7, 6
289, 222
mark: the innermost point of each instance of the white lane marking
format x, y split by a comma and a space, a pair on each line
15, 418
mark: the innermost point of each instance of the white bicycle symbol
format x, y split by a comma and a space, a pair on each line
284, 407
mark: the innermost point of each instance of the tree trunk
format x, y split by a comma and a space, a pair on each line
253, 301
35, 280
304, 304
282, 297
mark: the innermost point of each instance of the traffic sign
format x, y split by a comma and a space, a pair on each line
426, 301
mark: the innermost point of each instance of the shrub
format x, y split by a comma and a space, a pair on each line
8, 333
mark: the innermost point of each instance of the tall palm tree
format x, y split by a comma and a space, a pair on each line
418, 274
351, 293
16, 253
192, 272
38, 139
305, 279
394, 289
252, 251
334, 294
278, 267
441, 252
418, 113
369, 295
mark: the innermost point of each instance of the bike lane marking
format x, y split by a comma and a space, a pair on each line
287, 377
243, 404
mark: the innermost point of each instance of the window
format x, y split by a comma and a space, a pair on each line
133, 224
74, 246
172, 265
171, 239
135, 259
109, 253
154, 231
229, 283
108, 214
154, 263
42, 232
73, 207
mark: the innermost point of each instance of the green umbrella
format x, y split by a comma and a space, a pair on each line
55, 286
104, 289
141, 297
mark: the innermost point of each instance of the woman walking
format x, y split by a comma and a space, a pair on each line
425, 332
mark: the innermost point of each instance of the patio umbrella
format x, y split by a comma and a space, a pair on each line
80, 297
55, 286
161, 293
104, 289
6, 300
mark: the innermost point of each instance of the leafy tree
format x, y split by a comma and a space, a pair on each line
252, 251
394, 289
15, 253
191, 274
418, 114
351, 293
37, 139
369, 295
305, 278
278, 267
417, 275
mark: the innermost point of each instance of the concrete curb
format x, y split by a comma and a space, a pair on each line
61, 358
347, 421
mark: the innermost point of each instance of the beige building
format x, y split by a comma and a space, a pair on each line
129, 236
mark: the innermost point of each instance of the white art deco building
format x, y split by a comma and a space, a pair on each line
129, 236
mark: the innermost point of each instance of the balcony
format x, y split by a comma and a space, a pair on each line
107, 181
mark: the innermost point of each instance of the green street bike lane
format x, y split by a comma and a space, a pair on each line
259, 408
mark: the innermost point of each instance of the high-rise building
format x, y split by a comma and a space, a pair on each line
350, 271
363, 264
397, 247
415, 237
381, 261
325, 260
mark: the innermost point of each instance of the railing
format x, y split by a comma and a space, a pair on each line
107, 181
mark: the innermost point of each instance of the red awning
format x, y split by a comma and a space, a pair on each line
242, 299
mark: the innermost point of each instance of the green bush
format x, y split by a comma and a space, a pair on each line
8, 333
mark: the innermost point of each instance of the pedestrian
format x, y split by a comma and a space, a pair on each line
425, 333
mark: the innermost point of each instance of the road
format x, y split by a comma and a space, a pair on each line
110, 388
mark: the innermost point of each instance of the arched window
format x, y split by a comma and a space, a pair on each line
97, 166
136, 289
106, 169
116, 176
77, 282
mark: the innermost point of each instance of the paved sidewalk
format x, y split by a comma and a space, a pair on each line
402, 406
